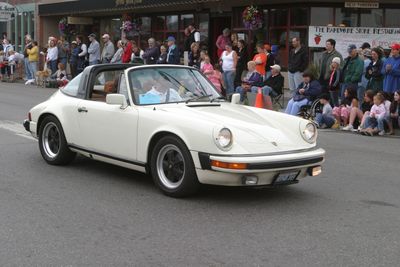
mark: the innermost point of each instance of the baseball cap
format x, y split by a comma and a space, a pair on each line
351, 48
365, 45
92, 35
276, 67
74, 42
395, 46
171, 39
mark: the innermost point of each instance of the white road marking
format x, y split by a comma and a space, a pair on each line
16, 128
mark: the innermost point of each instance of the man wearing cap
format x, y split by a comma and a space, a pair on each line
326, 61
352, 70
108, 49
74, 58
173, 56
298, 62
274, 84
391, 71
93, 50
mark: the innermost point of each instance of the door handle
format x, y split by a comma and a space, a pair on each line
82, 109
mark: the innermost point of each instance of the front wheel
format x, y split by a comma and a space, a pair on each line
172, 168
52, 143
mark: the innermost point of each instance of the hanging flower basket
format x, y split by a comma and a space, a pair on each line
252, 18
63, 26
130, 27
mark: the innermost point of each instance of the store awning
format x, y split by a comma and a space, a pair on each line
102, 6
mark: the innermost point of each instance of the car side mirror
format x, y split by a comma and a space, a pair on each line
117, 99
235, 99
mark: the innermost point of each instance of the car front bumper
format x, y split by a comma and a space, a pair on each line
263, 168
30, 126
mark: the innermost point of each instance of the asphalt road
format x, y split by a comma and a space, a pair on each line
95, 214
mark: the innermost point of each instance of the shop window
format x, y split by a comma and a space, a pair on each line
146, 25
371, 18
298, 16
159, 23
186, 20
299, 33
278, 17
203, 26
392, 18
172, 23
321, 16
347, 17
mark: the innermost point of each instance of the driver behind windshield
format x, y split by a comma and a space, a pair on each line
161, 88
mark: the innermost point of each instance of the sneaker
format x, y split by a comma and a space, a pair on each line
348, 128
381, 133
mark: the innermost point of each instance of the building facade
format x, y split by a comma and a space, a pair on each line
282, 20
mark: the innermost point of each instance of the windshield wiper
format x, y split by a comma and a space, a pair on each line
217, 98
197, 98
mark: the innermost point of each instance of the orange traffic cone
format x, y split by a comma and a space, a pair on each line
259, 99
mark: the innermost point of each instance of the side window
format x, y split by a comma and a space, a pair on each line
106, 82
72, 87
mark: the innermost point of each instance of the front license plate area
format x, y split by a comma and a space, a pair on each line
286, 178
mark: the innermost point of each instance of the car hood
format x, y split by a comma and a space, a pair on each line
255, 130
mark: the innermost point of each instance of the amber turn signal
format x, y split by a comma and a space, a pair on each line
227, 165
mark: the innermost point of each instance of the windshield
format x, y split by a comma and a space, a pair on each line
72, 87
159, 85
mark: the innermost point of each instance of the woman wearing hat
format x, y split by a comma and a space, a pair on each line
334, 81
373, 73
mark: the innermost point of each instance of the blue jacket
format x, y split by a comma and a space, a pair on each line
313, 90
173, 56
391, 81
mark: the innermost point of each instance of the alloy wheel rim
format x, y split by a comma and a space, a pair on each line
51, 140
171, 166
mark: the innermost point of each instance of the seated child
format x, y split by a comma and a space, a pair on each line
60, 76
374, 123
325, 119
395, 111
342, 113
359, 113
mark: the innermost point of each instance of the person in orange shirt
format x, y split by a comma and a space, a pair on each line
260, 59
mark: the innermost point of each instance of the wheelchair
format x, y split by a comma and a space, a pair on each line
309, 111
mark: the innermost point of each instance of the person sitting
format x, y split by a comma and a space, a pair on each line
252, 78
274, 84
359, 113
378, 112
387, 103
325, 119
162, 92
395, 111
308, 91
342, 112
60, 76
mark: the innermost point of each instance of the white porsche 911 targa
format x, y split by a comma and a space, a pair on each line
170, 122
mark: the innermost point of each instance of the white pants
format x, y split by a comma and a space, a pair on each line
295, 79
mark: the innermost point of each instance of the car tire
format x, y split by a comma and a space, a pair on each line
52, 143
172, 168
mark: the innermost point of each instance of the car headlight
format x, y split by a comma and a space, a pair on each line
309, 133
223, 139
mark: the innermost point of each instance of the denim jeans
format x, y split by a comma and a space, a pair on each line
28, 71
95, 62
33, 68
324, 119
360, 95
295, 79
229, 79
242, 93
63, 60
53, 66
375, 123
266, 90
293, 107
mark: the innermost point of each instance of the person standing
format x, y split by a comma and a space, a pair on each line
193, 37
298, 62
194, 55
82, 54
326, 61
352, 70
173, 52
117, 58
162, 59
391, 71
28, 45
261, 60
108, 50
33, 59
152, 53
229, 62
362, 85
374, 74
74, 58
93, 50
222, 41
243, 58
52, 55
63, 50
127, 55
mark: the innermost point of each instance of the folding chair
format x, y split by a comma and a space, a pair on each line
277, 100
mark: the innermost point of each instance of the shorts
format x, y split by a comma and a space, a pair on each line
343, 112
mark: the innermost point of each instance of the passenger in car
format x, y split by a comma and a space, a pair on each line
161, 89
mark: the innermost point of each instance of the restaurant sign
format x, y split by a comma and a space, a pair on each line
6, 12
361, 5
384, 37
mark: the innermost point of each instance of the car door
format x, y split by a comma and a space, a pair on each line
108, 130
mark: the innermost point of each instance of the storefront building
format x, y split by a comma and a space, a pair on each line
282, 20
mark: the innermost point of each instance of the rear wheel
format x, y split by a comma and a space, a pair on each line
52, 143
172, 168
